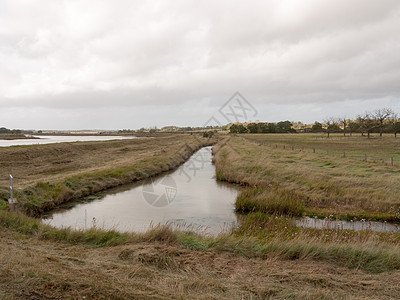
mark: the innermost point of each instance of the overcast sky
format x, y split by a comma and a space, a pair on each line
130, 64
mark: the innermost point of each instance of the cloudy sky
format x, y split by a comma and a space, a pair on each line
129, 64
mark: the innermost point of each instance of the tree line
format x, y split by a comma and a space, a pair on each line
4, 130
280, 127
380, 121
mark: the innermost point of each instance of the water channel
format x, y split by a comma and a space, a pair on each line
189, 198
346, 225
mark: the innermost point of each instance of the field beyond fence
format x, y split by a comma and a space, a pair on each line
384, 149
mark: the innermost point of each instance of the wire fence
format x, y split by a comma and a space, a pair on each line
391, 161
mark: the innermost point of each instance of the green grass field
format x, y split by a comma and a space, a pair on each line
379, 149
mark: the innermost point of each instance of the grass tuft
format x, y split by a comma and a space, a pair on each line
270, 202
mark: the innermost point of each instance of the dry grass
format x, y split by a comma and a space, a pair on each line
162, 264
323, 183
48, 175
55, 162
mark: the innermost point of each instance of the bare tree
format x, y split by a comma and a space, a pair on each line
395, 122
361, 123
344, 122
353, 126
381, 115
369, 123
331, 126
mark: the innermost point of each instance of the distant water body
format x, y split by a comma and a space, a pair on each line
50, 139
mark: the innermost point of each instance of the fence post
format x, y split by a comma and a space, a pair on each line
365, 157
11, 188
344, 154
313, 150
12, 201
392, 162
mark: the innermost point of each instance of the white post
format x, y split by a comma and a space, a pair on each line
12, 201
11, 189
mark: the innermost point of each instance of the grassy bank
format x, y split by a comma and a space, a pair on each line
48, 175
39, 261
296, 182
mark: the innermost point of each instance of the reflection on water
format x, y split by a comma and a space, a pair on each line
188, 198
49, 139
346, 225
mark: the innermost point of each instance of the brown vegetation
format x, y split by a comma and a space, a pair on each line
48, 175
39, 262
324, 184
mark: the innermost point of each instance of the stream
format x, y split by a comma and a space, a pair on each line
189, 198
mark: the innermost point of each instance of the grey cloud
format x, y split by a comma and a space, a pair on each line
61, 56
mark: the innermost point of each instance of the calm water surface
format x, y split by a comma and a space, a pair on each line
346, 225
188, 198
50, 139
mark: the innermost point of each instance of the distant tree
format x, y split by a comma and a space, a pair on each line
238, 128
396, 128
353, 126
284, 127
253, 128
335, 127
344, 122
367, 123
208, 134
395, 122
4, 130
271, 128
381, 115
331, 126
262, 128
317, 128
257, 128
361, 123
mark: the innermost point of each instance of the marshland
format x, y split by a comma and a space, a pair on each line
264, 256
200, 149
